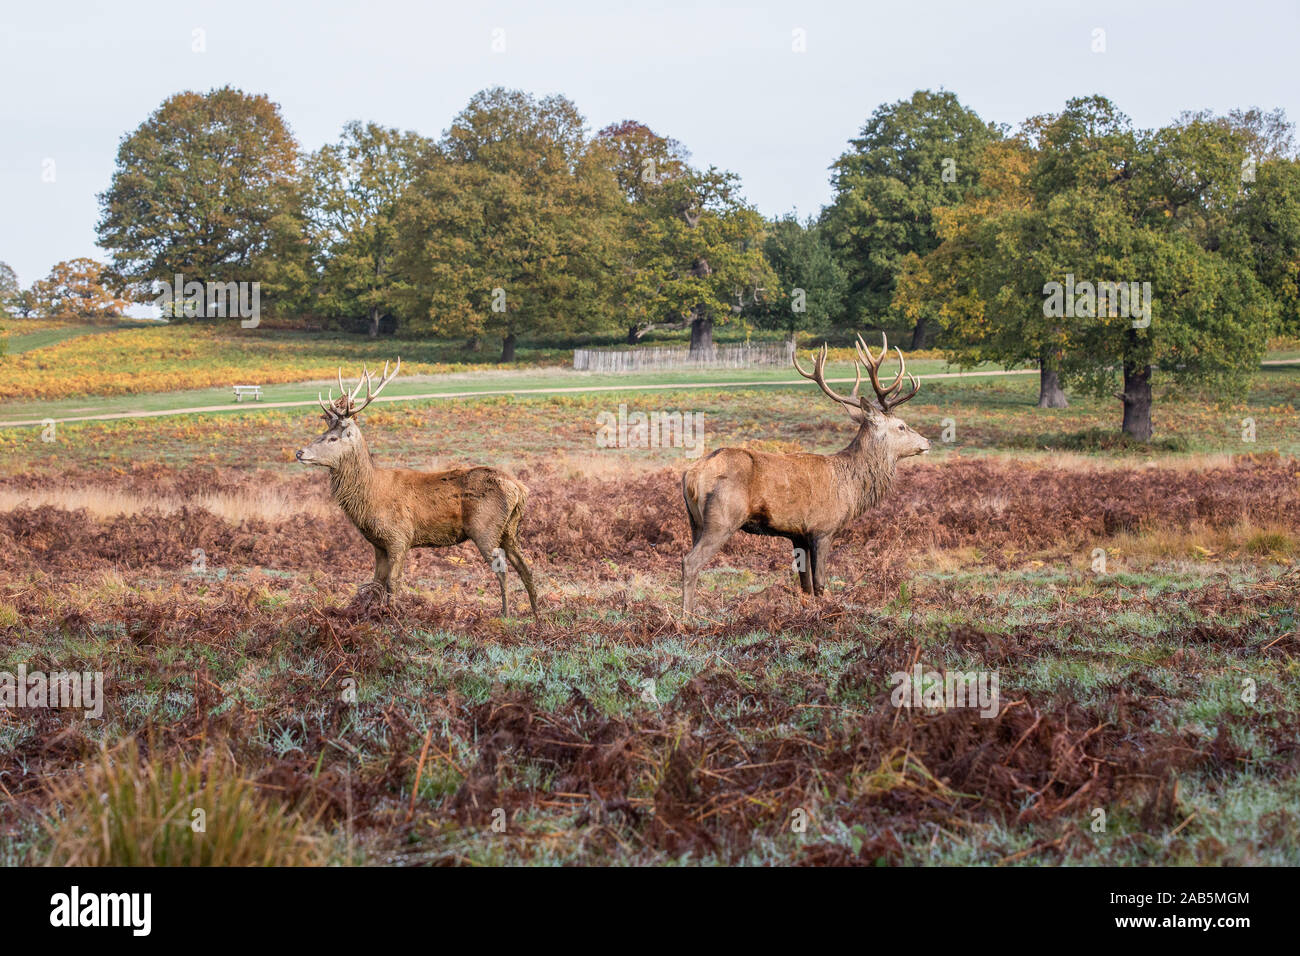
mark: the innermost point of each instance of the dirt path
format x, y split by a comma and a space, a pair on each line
566, 390
427, 396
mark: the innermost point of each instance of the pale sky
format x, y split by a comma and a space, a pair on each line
723, 79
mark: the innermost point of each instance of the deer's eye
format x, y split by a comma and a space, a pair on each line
334, 438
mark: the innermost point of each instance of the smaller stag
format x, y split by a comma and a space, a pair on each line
397, 509
806, 498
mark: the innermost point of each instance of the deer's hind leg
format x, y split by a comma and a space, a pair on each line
513, 553
516, 558
710, 542
715, 529
496, 557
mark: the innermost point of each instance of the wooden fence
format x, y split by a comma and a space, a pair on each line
653, 359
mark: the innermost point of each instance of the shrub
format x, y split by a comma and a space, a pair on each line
129, 811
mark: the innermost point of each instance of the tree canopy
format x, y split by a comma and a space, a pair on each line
207, 187
509, 227
80, 289
352, 191
1106, 253
911, 158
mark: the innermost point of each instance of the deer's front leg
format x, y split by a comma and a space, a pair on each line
805, 565
819, 556
397, 551
378, 586
382, 566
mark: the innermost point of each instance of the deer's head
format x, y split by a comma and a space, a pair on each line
879, 426
342, 437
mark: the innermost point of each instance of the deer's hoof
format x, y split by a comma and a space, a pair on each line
372, 592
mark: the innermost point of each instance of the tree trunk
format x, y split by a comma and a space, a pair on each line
918, 333
701, 335
475, 344
633, 334
374, 322
508, 347
1137, 401
1050, 393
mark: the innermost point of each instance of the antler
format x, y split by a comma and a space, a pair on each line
890, 397
819, 376
348, 400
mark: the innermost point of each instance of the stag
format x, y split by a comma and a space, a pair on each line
397, 509
805, 498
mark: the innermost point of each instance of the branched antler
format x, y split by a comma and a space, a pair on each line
891, 397
888, 398
345, 406
819, 376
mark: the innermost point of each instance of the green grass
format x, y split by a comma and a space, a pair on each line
17, 343
498, 380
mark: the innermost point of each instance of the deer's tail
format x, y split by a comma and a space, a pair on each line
691, 493
516, 498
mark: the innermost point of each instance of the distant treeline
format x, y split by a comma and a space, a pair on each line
991, 243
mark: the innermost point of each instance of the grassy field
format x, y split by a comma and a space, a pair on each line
69, 371
28, 335
475, 382
975, 415
212, 581
70, 363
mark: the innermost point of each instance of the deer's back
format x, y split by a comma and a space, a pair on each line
765, 493
444, 508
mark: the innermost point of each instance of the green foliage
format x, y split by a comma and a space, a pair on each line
208, 187
10, 291
696, 251
690, 246
1100, 202
812, 284
1271, 222
988, 314
352, 192
511, 226
911, 158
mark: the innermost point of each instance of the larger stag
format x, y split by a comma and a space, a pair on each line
805, 498
397, 509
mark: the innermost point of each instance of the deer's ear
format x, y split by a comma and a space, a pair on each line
862, 415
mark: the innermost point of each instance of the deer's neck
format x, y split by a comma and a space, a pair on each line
868, 471
352, 485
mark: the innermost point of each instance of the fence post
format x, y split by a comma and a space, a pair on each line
722, 356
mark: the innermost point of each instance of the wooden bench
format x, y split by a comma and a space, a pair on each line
242, 390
